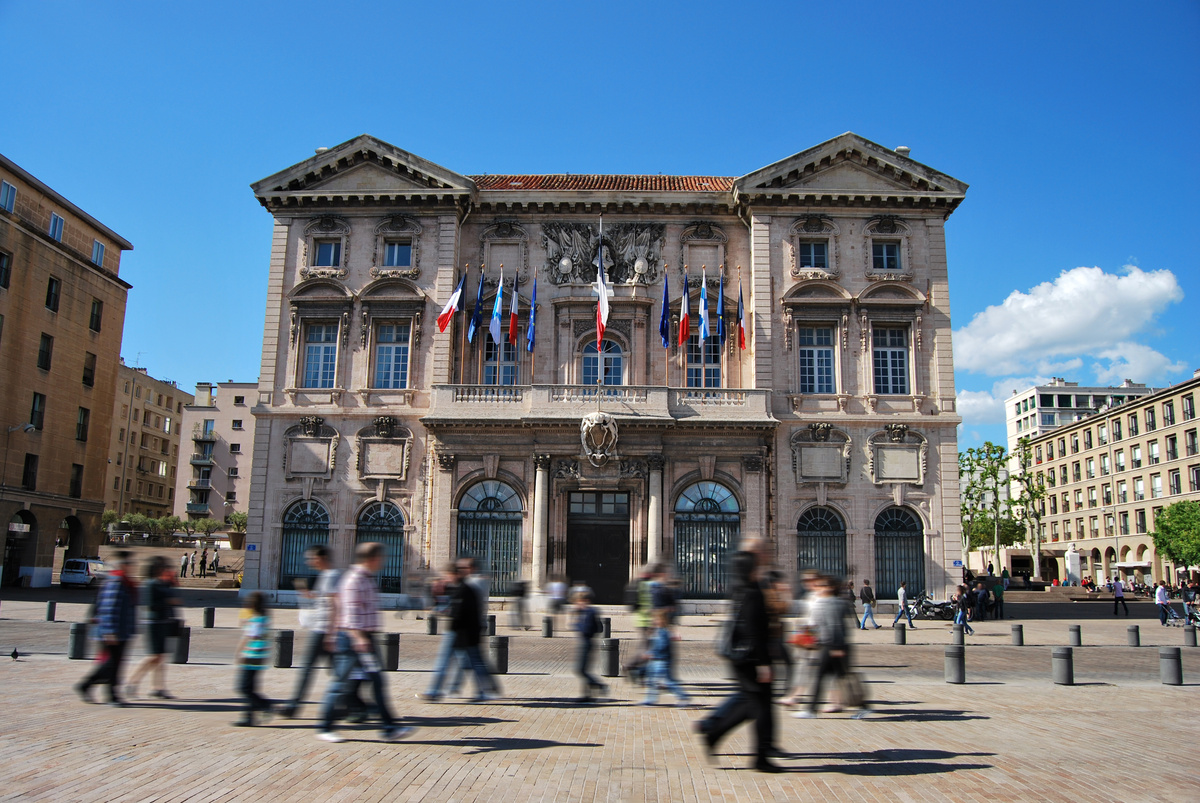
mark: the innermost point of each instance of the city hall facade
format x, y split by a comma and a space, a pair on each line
830, 431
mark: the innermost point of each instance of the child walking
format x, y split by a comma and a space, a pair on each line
659, 671
252, 653
587, 627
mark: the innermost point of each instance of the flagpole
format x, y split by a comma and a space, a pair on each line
462, 359
739, 323
479, 362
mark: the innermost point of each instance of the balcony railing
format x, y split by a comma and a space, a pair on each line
200, 485
199, 433
197, 508
201, 459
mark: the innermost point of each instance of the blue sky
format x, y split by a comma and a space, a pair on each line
1073, 255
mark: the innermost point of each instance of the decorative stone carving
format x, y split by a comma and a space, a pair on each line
294, 327
311, 424
864, 333
820, 454
820, 431
310, 449
541, 462
567, 470
896, 432
583, 326
325, 227
500, 234
753, 463
385, 426
656, 462
384, 450
894, 228
787, 328
345, 327
633, 469
820, 228
632, 252
397, 227
446, 460
598, 434
896, 454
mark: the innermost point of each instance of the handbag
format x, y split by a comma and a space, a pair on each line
728, 648
803, 638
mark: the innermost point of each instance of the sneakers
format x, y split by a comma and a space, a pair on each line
396, 733
429, 698
861, 714
163, 694
804, 714
331, 737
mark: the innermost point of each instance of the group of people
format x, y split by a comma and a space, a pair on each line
207, 567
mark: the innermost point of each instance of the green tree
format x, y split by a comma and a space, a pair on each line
972, 496
138, 523
1177, 533
984, 532
109, 517
170, 525
1030, 502
208, 526
985, 488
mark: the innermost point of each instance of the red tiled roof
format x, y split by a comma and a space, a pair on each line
568, 181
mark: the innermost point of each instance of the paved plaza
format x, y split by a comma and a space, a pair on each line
1007, 734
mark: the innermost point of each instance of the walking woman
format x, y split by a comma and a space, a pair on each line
962, 604
748, 649
161, 623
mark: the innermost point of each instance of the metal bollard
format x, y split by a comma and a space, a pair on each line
956, 635
51, 607
1189, 636
610, 657
491, 624
1076, 636
547, 627
499, 645
431, 625
283, 648
210, 618
1170, 666
77, 642
956, 663
183, 643
1064, 666
391, 652
1018, 635
606, 624
899, 636
1133, 636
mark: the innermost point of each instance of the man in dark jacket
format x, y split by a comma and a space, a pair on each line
116, 624
468, 631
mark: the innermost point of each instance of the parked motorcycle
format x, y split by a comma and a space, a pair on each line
925, 607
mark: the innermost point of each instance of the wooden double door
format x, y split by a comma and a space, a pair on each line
598, 543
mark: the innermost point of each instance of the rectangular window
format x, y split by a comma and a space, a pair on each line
1078, 498
1190, 444
37, 411
704, 363
89, 369
1116, 429
121, 435
320, 355
812, 255
231, 496
1151, 424
1062, 447
1135, 457
1102, 434
1075, 474
116, 483
98, 252
5, 268
137, 391
1066, 502
1038, 455
1194, 478
816, 359
1062, 471
1064, 401
1087, 439
1046, 400
1174, 486
1106, 494
1048, 419
1124, 524
1155, 486
239, 399
327, 253
81, 424
235, 448
391, 355
97, 315
53, 289
1152, 453
1189, 405
1140, 518
29, 473
1172, 444
237, 423
1054, 506
1168, 413
1122, 492
233, 472
1050, 450
885, 256
56, 226
1105, 466
45, 352
167, 425
8, 196
1133, 425
397, 254
1139, 489
891, 361
1074, 444
1120, 458
500, 363
1091, 468
75, 489
1092, 497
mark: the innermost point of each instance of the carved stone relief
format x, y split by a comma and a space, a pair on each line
814, 228
632, 252
896, 454
509, 236
889, 227
397, 227
325, 227
384, 450
310, 449
821, 453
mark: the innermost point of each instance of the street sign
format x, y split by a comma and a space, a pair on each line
17, 527
958, 564
251, 547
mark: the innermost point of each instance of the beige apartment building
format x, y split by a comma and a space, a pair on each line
144, 451
215, 479
1106, 478
62, 311
554, 453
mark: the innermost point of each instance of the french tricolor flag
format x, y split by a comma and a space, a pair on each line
741, 321
685, 312
512, 317
452, 306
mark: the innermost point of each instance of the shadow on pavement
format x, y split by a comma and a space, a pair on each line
921, 715
499, 744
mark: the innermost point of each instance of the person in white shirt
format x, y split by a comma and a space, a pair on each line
316, 613
1163, 600
902, 593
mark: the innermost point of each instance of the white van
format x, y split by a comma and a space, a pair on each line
83, 572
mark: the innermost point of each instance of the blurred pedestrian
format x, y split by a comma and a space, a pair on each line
252, 652
827, 615
318, 612
660, 665
116, 624
466, 622
962, 609
587, 627
160, 625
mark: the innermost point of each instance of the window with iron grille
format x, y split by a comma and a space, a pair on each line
383, 523
821, 542
899, 552
305, 524
707, 529
489, 530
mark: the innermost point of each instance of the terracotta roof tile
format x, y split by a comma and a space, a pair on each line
568, 181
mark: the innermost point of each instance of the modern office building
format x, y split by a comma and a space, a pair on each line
215, 479
543, 449
144, 447
1039, 409
62, 311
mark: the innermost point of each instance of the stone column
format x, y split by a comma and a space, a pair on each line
654, 529
541, 519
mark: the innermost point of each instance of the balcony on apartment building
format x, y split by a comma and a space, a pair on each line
199, 485
203, 434
197, 508
201, 459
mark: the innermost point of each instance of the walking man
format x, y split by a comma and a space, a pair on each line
981, 602
902, 593
441, 591
193, 563
1118, 596
358, 621
116, 624
867, 596
466, 623
318, 612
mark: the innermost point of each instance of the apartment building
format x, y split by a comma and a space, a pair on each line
144, 450
1042, 408
1108, 475
216, 479
62, 311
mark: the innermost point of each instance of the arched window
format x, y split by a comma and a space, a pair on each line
489, 530
899, 552
305, 524
707, 527
610, 364
821, 541
383, 522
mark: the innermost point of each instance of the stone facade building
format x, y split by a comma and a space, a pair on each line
832, 433
221, 428
62, 311
144, 447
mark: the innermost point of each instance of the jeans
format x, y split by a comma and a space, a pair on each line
345, 662
1121, 601
471, 658
903, 612
869, 613
248, 686
752, 700
658, 673
960, 618
1163, 613
441, 665
314, 649
583, 660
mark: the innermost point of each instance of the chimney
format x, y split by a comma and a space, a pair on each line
204, 395
903, 150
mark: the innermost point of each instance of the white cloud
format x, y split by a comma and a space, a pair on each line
980, 407
1133, 360
1085, 311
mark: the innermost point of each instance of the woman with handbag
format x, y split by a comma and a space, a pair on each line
161, 625
746, 645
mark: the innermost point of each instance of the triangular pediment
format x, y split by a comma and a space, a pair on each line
849, 165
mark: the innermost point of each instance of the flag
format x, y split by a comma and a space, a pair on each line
685, 307
451, 306
664, 325
721, 310
705, 331
532, 316
477, 315
494, 327
741, 321
512, 317
603, 291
